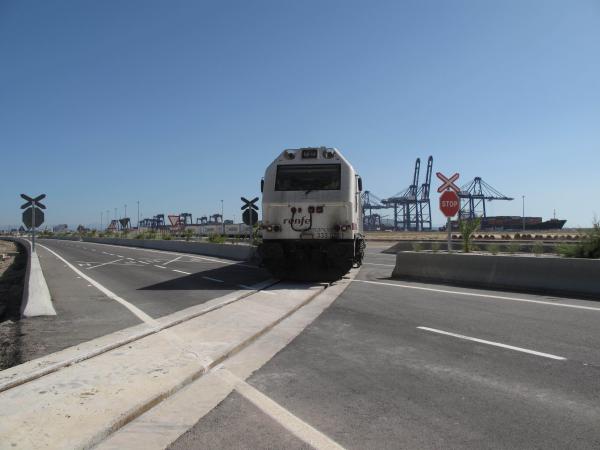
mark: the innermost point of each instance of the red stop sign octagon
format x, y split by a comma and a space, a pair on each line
449, 203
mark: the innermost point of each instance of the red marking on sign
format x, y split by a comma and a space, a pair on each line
448, 183
449, 203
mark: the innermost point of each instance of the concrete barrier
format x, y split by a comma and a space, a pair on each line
238, 252
553, 276
36, 296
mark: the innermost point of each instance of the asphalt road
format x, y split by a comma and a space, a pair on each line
157, 283
394, 364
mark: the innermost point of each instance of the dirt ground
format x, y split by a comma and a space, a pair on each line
13, 264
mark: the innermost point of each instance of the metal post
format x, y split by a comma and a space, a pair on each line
101, 217
449, 226
138, 215
33, 228
523, 212
222, 219
125, 212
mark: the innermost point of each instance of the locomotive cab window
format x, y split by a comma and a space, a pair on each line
308, 177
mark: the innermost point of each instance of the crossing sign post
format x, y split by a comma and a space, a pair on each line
249, 216
32, 216
449, 201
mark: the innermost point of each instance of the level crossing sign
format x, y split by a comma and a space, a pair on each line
448, 183
249, 216
33, 216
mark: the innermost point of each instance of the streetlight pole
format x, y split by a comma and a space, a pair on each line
125, 212
222, 219
138, 215
523, 212
101, 216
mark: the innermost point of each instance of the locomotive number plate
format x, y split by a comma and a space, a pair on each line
321, 233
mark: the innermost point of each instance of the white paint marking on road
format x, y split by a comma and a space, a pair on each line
135, 310
104, 264
132, 259
245, 286
120, 256
376, 264
173, 260
495, 344
143, 262
307, 433
160, 267
474, 294
213, 279
181, 271
106, 253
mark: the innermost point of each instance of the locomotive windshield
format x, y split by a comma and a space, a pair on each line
308, 177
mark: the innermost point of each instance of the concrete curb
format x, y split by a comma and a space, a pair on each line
36, 296
37, 368
571, 277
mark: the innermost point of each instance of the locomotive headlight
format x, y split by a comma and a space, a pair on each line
319, 209
311, 209
289, 155
328, 154
269, 228
344, 227
276, 228
337, 228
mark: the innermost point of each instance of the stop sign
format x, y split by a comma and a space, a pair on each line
449, 203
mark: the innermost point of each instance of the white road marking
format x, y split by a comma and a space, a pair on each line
134, 309
245, 286
495, 344
160, 267
131, 259
181, 271
213, 279
474, 294
285, 418
120, 256
173, 260
376, 264
104, 264
142, 262
106, 253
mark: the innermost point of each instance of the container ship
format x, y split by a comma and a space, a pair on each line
515, 223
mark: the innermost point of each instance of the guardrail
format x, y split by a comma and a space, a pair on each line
554, 276
36, 300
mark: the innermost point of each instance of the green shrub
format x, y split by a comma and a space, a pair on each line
216, 238
587, 247
417, 247
166, 237
467, 228
493, 249
188, 233
537, 248
514, 247
435, 247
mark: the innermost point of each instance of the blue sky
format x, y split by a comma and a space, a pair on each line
180, 104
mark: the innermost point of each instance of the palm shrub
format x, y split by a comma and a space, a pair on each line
588, 247
467, 228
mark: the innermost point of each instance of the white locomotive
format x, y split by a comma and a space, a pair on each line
312, 216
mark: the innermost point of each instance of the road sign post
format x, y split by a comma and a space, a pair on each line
449, 201
31, 219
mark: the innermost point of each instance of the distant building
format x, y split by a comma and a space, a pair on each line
62, 228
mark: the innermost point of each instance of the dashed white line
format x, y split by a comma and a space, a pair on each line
213, 279
160, 267
495, 344
120, 256
475, 294
181, 271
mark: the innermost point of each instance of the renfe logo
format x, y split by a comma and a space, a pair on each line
297, 221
